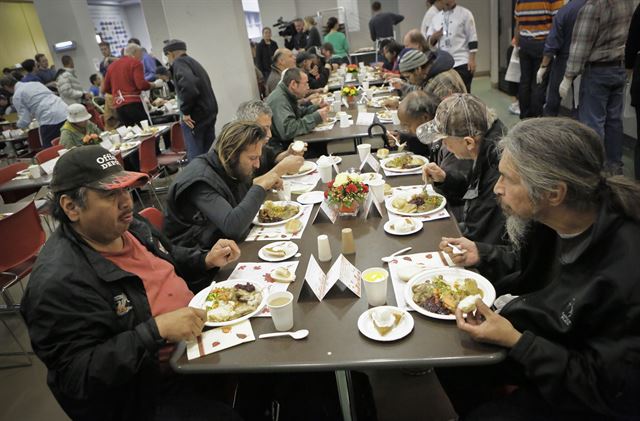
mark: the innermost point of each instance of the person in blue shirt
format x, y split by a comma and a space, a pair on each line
148, 62
30, 68
557, 45
46, 74
95, 80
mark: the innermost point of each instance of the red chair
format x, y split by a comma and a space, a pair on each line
6, 174
55, 142
177, 151
48, 154
149, 164
22, 237
154, 216
33, 140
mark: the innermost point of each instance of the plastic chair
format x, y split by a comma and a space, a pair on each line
55, 142
178, 151
149, 165
33, 140
154, 216
48, 154
6, 174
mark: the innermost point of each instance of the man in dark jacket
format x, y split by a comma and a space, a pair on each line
198, 104
108, 297
471, 132
216, 195
283, 59
264, 52
570, 317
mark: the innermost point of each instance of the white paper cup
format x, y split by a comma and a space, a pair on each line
144, 124
344, 120
285, 193
115, 139
377, 289
326, 171
280, 305
324, 248
364, 150
377, 188
335, 106
34, 171
365, 85
361, 64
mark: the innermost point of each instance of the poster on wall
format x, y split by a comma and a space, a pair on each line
352, 16
113, 31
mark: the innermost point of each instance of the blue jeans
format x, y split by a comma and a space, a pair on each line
530, 94
552, 105
199, 140
601, 105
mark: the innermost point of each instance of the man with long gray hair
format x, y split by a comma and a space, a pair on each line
259, 112
569, 318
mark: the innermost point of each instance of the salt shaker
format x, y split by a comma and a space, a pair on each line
348, 245
324, 249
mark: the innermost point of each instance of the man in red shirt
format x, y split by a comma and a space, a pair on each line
125, 82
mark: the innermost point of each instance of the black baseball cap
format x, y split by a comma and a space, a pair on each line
95, 167
302, 57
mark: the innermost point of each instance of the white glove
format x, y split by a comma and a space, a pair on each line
158, 83
565, 86
540, 75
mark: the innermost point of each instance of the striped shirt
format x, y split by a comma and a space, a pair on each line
535, 17
599, 34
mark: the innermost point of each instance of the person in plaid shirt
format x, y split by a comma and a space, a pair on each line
597, 53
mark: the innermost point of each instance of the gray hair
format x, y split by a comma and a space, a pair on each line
132, 49
77, 196
417, 104
548, 151
251, 110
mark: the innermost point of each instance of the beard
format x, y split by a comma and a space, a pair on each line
517, 228
243, 176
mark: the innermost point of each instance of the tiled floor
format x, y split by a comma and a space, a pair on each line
399, 395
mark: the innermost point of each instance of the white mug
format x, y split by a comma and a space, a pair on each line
280, 305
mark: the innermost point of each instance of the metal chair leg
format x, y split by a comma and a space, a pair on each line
137, 193
153, 191
23, 353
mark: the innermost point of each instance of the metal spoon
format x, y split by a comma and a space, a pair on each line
298, 334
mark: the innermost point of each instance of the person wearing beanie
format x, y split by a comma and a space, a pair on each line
471, 132
432, 72
198, 105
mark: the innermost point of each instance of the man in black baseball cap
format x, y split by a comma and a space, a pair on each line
109, 295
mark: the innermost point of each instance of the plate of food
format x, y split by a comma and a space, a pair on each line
278, 251
385, 323
368, 177
282, 274
404, 162
403, 226
307, 168
232, 301
415, 202
438, 292
124, 146
326, 125
276, 213
385, 116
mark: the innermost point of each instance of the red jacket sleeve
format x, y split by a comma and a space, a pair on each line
138, 77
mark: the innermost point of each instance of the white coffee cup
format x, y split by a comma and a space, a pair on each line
344, 120
325, 170
376, 289
285, 193
115, 139
361, 64
280, 305
364, 150
144, 124
377, 188
34, 171
365, 85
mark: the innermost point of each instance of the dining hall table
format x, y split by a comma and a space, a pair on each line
334, 342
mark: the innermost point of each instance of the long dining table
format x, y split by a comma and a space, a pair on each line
334, 342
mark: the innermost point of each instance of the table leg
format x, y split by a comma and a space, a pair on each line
345, 393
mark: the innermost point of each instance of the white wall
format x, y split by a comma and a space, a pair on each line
138, 27
156, 24
68, 20
271, 10
216, 36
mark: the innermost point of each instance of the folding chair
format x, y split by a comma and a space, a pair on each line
48, 154
154, 216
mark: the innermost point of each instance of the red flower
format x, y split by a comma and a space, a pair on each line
351, 188
330, 184
365, 188
326, 194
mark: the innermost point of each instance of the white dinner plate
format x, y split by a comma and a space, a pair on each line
284, 221
450, 274
383, 164
311, 198
366, 327
388, 227
407, 193
290, 249
199, 300
332, 158
307, 168
125, 146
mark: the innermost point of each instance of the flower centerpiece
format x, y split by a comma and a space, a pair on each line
346, 192
352, 68
350, 93
91, 139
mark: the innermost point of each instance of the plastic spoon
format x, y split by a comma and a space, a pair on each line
298, 334
390, 257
